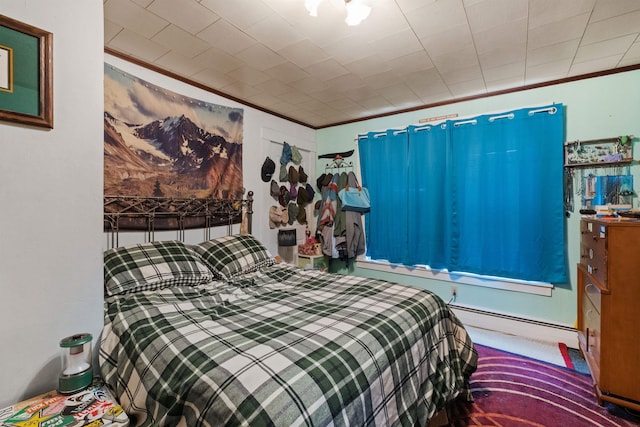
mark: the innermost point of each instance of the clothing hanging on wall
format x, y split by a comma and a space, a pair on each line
340, 232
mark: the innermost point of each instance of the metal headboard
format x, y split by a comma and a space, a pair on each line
150, 214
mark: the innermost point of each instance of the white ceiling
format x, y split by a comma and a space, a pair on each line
408, 53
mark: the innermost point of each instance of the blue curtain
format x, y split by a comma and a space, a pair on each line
427, 180
383, 160
481, 196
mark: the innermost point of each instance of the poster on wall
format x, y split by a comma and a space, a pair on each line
158, 143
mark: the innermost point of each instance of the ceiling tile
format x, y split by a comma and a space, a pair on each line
347, 50
343, 104
225, 36
328, 95
437, 97
399, 94
632, 56
468, 88
346, 82
360, 93
503, 84
241, 13
264, 100
181, 41
544, 12
274, 32
368, 66
133, 17
490, 14
595, 65
437, 17
294, 97
287, 72
508, 71
613, 27
326, 70
504, 55
309, 85
111, 29
240, 89
385, 19
179, 64
398, 44
609, 9
376, 104
427, 85
496, 37
213, 78
380, 80
411, 63
463, 57
549, 70
303, 53
249, 76
552, 53
273, 87
260, 57
134, 44
189, 15
604, 49
410, 5
557, 32
462, 75
442, 43
218, 60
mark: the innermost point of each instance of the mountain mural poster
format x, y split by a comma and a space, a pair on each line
158, 143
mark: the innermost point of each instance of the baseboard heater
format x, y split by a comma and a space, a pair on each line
514, 325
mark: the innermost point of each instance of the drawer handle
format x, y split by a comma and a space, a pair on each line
591, 336
588, 335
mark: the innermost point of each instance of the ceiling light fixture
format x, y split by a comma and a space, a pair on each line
357, 10
312, 6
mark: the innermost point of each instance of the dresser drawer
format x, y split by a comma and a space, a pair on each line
592, 293
593, 250
591, 328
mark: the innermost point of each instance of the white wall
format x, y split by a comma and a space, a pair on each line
51, 203
51, 243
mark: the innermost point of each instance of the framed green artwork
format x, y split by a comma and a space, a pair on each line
26, 80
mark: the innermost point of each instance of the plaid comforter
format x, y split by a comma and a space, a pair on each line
285, 347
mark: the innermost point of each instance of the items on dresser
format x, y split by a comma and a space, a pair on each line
608, 315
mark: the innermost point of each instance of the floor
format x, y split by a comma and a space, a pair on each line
541, 350
536, 349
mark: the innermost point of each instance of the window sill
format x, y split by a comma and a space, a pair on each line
535, 288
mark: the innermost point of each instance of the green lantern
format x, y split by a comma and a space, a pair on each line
77, 372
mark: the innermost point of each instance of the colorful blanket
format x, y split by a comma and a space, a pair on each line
284, 347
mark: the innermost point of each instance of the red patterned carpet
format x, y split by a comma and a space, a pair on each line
512, 390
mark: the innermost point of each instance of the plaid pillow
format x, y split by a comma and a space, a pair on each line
151, 266
230, 256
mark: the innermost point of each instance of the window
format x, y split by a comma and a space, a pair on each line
481, 195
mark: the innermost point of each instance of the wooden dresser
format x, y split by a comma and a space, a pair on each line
609, 308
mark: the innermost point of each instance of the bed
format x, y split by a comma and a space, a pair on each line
218, 333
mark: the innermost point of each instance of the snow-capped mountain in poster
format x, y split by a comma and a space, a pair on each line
161, 144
